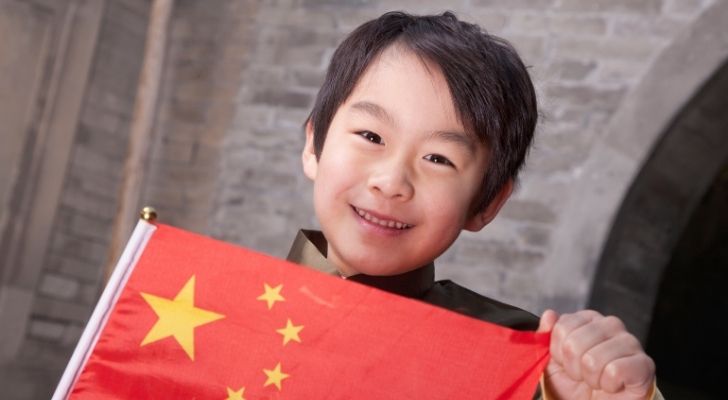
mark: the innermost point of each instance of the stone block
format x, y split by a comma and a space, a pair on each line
93, 204
586, 95
308, 77
530, 48
336, 3
90, 292
46, 330
193, 111
127, 14
312, 55
73, 246
660, 29
90, 160
175, 152
71, 335
73, 267
535, 236
613, 49
58, 286
571, 70
91, 228
98, 121
685, 8
494, 253
490, 20
515, 4
279, 97
528, 210
619, 72
566, 25
612, 6
60, 310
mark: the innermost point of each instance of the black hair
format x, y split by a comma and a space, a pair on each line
492, 91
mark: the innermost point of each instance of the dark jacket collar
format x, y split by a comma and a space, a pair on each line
309, 249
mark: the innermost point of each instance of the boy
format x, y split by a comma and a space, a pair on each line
418, 132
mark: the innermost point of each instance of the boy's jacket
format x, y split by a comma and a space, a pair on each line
309, 248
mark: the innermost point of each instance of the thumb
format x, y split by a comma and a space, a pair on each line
548, 320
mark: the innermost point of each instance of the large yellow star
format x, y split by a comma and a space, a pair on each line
290, 332
178, 318
235, 394
275, 376
271, 295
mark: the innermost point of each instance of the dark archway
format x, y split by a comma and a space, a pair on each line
661, 253
660, 202
687, 330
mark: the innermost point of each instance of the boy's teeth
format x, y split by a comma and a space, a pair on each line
381, 222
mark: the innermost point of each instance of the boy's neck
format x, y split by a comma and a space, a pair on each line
309, 249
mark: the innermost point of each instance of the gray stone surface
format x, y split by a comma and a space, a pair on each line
240, 79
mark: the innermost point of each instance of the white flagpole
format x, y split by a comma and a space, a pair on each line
134, 249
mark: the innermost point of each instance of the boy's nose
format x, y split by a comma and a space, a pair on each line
392, 182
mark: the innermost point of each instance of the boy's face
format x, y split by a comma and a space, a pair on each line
394, 183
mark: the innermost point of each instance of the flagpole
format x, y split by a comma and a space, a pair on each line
134, 248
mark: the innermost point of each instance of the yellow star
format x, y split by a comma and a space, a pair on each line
235, 394
178, 318
271, 295
290, 332
275, 376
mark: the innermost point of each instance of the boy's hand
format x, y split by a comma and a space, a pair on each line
594, 357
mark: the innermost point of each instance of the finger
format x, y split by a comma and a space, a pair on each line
564, 326
548, 320
596, 358
635, 374
581, 340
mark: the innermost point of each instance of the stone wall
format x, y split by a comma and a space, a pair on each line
240, 78
73, 266
585, 57
207, 49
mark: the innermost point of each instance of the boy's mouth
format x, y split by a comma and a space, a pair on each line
383, 222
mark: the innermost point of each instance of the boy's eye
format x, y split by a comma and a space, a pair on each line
438, 159
371, 136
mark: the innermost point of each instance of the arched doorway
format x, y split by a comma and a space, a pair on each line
687, 328
667, 247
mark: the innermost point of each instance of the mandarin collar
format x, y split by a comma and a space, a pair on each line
309, 249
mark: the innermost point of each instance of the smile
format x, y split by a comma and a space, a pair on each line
386, 223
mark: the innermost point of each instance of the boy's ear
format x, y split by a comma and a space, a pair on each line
483, 218
308, 156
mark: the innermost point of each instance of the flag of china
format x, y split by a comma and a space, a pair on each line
189, 317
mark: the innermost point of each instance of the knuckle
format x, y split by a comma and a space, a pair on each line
614, 324
613, 374
570, 348
630, 342
590, 363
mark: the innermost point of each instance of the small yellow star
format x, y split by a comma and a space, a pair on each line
178, 317
271, 295
290, 332
275, 376
235, 394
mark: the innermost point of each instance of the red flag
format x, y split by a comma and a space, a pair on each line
202, 319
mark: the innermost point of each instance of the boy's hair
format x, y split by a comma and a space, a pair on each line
491, 89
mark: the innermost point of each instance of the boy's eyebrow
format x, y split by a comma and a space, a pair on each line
462, 139
374, 110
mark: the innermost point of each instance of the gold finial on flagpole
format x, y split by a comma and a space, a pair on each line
148, 214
